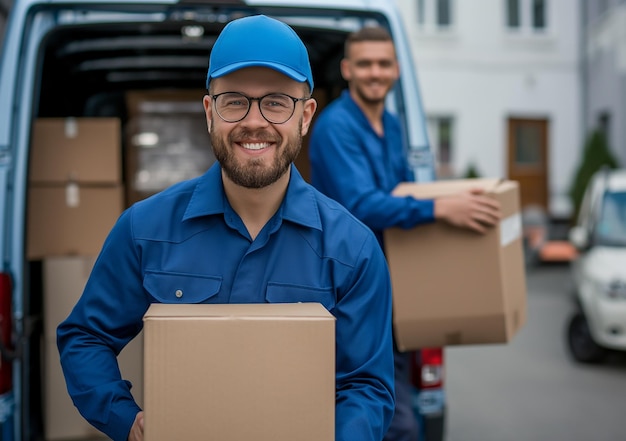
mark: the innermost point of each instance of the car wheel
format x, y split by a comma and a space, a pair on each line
581, 344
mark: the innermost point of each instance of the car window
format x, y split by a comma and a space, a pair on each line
611, 227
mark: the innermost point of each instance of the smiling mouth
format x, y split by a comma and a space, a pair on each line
255, 145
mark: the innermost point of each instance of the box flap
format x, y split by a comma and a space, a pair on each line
496, 187
429, 190
230, 310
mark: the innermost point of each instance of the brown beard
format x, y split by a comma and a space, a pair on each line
368, 100
253, 174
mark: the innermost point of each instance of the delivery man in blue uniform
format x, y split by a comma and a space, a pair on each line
358, 157
252, 230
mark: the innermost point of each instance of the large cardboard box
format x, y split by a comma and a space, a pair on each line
83, 150
70, 220
452, 286
232, 372
64, 279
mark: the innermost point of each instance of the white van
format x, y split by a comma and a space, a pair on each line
100, 106
596, 326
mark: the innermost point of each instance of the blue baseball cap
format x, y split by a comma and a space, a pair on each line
259, 40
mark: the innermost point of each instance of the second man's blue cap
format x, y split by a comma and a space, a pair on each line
259, 40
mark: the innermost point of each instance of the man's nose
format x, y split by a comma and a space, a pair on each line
375, 69
254, 115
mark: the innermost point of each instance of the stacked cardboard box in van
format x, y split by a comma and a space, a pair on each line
75, 188
75, 196
64, 280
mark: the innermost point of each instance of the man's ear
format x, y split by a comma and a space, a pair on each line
345, 69
310, 106
208, 111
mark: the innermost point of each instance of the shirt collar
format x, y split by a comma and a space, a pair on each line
299, 205
345, 95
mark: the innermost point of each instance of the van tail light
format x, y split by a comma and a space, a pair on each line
428, 369
6, 332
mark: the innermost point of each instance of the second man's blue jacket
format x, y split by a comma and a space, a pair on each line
359, 168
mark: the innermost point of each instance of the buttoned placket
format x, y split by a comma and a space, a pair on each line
254, 261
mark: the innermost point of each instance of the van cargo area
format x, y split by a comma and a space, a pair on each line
151, 76
144, 83
119, 117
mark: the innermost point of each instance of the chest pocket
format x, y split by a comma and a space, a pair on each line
285, 293
181, 288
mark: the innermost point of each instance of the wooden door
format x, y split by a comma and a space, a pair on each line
528, 159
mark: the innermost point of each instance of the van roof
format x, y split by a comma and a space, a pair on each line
333, 4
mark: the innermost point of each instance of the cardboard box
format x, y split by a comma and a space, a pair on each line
232, 372
70, 220
141, 102
452, 286
64, 279
84, 150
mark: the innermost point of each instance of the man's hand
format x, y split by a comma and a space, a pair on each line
472, 209
136, 432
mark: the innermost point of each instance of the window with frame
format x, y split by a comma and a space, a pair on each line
421, 12
444, 13
513, 19
526, 14
604, 123
539, 14
441, 132
435, 14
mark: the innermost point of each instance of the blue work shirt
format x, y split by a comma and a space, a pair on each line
354, 165
189, 238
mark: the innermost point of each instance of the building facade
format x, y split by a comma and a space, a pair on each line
604, 71
501, 84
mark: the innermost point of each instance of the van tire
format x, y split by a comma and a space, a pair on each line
581, 345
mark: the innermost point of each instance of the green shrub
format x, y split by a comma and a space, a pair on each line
596, 155
471, 172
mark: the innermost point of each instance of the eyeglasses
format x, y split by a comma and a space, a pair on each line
276, 108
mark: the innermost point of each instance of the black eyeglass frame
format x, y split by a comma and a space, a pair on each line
258, 100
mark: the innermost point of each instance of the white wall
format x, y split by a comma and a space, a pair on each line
481, 73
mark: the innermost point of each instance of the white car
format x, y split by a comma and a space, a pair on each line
599, 271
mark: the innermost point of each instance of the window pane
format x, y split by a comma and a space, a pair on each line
604, 124
441, 132
539, 14
444, 14
512, 13
528, 145
421, 19
611, 228
445, 140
